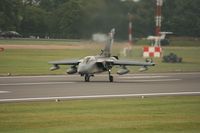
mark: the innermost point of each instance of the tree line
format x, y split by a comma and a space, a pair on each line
81, 18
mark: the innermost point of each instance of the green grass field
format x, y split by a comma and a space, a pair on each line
149, 115
38, 41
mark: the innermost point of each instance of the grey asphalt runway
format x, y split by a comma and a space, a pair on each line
31, 88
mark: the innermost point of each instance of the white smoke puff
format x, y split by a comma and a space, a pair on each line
99, 37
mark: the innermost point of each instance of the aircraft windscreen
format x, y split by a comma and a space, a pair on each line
88, 59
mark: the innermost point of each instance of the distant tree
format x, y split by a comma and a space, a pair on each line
31, 2
51, 5
10, 16
82, 18
66, 19
33, 22
182, 17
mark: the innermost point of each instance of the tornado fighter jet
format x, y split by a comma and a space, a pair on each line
90, 65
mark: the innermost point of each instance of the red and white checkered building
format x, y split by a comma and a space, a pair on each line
152, 51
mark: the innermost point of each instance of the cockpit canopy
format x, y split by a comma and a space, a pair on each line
88, 59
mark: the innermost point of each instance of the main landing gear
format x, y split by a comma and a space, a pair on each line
110, 76
87, 77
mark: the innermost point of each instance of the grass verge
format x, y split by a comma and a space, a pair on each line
35, 62
38, 41
151, 114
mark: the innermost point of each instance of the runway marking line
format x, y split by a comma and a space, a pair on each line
143, 77
153, 80
39, 83
4, 91
48, 76
100, 96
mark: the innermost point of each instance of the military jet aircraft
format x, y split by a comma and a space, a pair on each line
90, 65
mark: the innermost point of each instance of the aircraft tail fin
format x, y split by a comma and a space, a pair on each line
108, 46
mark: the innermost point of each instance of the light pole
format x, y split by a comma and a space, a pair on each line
158, 17
127, 50
130, 30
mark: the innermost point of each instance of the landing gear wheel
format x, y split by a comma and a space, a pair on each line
111, 78
87, 78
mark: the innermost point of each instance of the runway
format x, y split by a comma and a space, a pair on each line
31, 88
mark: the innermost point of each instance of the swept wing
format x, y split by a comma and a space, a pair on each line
63, 62
132, 63
113, 61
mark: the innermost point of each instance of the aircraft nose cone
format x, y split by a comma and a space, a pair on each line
82, 69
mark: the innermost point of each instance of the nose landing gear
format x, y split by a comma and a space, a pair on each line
87, 78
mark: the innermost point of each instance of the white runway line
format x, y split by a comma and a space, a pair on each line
143, 77
48, 76
152, 80
99, 96
39, 83
4, 91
